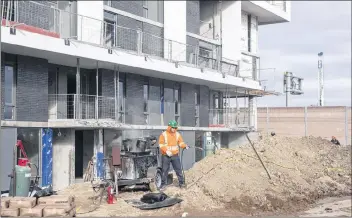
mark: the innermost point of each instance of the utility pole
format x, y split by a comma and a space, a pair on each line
287, 86
321, 78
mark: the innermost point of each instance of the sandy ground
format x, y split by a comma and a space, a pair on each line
330, 207
233, 182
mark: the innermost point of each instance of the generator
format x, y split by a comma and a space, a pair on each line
140, 163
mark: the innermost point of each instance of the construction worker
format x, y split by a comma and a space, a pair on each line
335, 141
170, 141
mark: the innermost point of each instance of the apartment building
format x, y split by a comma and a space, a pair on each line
78, 77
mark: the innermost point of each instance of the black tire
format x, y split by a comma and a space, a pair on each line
156, 184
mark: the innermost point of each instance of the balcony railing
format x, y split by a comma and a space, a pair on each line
279, 4
62, 24
229, 117
74, 106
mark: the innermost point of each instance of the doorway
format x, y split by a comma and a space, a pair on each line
71, 91
79, 154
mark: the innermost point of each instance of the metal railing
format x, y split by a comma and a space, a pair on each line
229, 117
78, 106
279, 4
67, 25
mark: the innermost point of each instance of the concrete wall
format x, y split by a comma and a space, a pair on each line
175, 29
62, 161
231, 30
321, 122
92, 24
8, 140
237, 138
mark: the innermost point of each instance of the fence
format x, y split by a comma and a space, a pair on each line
229, 117
47, 19
307, 121
74, 106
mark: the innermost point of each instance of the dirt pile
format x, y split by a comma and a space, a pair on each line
301, 169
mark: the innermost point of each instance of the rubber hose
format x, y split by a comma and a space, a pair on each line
183, 172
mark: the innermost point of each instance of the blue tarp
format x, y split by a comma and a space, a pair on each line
100, 165
47, 157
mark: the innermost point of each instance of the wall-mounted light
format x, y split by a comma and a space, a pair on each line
12, 30
67, 42
110, 51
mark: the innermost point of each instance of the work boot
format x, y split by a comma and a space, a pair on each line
183, 186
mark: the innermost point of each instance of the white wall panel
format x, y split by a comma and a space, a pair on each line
254, 34
89, 24
244, 31
175, 29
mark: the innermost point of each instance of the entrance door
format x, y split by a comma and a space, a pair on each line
79, 154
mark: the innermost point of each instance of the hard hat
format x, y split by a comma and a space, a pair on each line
173, 124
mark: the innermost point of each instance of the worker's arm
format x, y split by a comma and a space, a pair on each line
162, 145
180, 142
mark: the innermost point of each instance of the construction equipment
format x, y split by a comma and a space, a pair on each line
140, 164
20, 184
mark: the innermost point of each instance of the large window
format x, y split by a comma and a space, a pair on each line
9, 82
197, 104
153, 10
146, 99
177, 100
121, 97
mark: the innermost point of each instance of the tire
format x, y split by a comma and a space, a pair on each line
155, 185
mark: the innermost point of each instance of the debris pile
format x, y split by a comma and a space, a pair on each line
301, 169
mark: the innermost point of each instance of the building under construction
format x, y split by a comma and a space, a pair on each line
79, 77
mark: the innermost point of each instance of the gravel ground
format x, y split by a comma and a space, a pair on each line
233, 182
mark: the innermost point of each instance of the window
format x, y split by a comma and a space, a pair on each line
122, 97
177, 100
145, 9
162, 97
109, 33
9, 82
146, 99
197, 103
249, 32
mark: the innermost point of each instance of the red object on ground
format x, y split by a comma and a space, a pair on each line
31, 29
110, 195
22, 161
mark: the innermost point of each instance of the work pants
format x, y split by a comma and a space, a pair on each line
176, 164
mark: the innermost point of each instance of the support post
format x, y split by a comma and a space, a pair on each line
346, 126
115, 91
97, 91
305, 121
118, 93
267, 120
77, 98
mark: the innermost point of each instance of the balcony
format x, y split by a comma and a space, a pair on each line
81, 107
62, 24
229, 117
268, 12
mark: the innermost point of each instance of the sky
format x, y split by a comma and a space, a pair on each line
316, 26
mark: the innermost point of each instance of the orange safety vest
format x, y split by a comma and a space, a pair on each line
169, 141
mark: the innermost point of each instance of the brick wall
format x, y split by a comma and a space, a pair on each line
134, 99
32, 89
193, 18
321, 122
187, 105
133, 7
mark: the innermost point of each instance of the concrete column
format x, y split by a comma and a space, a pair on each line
97, 92
116, 82
77, 104
252, 108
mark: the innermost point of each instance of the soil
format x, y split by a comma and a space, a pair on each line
233, 181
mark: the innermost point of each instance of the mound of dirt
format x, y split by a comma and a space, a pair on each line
302, 170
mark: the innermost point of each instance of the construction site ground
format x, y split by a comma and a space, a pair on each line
309, 177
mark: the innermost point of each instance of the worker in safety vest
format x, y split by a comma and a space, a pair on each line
170, 141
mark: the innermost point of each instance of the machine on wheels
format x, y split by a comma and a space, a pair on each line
140, 164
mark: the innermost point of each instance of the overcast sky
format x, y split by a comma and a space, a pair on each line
315, 26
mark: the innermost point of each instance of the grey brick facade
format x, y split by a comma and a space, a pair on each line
204, 106
192, 17
32, 89
134, 99
133, 7
187, 105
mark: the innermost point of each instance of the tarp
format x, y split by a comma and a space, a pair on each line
47, 157
144, 206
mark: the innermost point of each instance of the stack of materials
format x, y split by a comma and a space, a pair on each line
51, 206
